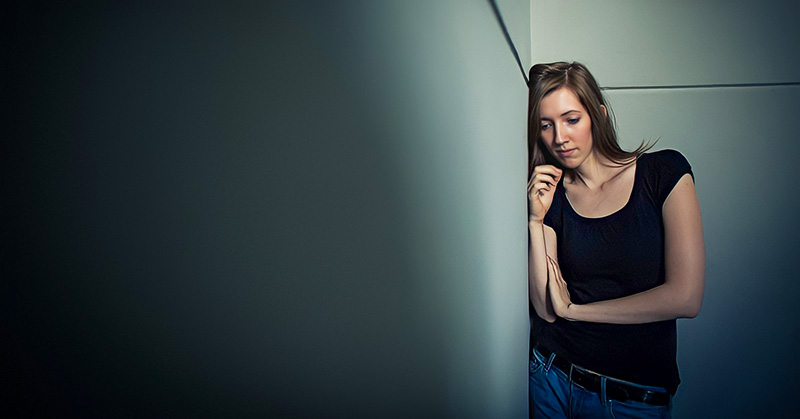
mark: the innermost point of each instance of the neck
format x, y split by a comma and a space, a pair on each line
595, 171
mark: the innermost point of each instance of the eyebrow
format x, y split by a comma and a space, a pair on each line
565, 113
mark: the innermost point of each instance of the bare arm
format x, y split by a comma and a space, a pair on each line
542, 246
541, 188
682, 292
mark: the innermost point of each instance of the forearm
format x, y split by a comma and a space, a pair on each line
537, 272
664, 302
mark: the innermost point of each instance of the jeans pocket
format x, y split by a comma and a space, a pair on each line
536, 366
537, 362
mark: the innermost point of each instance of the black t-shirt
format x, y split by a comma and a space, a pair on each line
612, 257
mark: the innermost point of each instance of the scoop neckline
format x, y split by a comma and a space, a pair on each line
627, 203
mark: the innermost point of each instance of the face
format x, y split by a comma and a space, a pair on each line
566, 127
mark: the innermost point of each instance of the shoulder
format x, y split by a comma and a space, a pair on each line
662, 170
669, 158
664, 163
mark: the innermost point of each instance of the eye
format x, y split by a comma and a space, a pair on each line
573, 121
546, 126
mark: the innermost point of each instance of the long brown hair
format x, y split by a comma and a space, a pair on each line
546, 78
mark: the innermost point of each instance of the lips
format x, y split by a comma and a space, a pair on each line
565, 153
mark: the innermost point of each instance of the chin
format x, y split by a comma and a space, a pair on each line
568, 164
562, 162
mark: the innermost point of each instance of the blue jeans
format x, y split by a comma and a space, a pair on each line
554, 395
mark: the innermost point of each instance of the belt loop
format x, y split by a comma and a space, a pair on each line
603, 395
549, 362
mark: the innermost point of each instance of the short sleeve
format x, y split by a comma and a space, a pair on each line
670, 166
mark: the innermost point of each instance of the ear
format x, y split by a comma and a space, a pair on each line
605, 111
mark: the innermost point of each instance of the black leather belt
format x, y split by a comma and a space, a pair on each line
614, 389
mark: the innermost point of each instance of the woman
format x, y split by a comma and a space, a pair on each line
616, 256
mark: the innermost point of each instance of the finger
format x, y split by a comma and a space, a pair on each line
542, 178
550, 271
549, 176
557, 287
539, 187
553, 263
557, 272
533, 183
552, 171
558, 269
552, 283
545, 177
552, 268
547, 168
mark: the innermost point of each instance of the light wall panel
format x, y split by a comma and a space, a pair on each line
651, 42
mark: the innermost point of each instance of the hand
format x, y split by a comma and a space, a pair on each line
559, 294
541, 189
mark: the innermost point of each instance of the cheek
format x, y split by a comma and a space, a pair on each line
547, 137
586, 133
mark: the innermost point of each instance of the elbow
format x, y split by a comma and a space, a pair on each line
692, 309
544, 315
550, 318
541, 309
688, 298
691, 312
691, 306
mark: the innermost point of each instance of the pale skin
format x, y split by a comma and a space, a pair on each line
600, 188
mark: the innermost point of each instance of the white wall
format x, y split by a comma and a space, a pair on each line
736, 358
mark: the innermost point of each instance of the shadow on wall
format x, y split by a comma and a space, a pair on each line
197, 206
214, 212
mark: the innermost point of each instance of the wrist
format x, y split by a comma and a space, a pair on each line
573, 312
532, 222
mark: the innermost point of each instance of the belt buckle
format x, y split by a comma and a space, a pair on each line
648, 396
638, 395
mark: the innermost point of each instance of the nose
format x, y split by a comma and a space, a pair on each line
559, 139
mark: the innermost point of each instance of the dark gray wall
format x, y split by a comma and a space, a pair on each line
737, 358
296, 210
